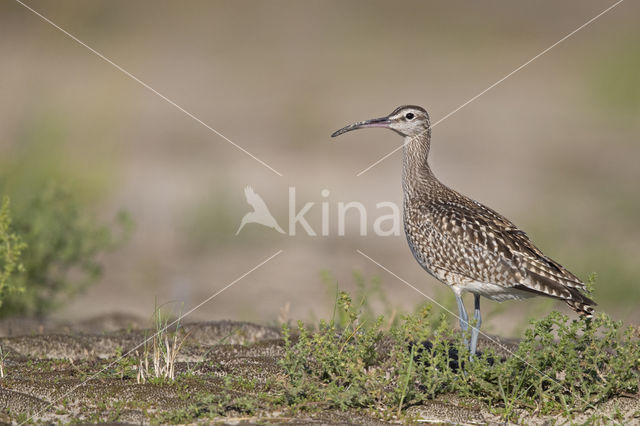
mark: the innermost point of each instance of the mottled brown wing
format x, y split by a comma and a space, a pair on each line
453, 237
494, 250
530, 257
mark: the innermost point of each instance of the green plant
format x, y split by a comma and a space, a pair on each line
369, 296
560, 366
63, 242
579, 363
125, 367
11, 248
160, 351
335, 364
206, 405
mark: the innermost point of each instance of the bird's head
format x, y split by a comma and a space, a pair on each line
407, 120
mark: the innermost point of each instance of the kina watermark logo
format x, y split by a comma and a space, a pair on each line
383, 221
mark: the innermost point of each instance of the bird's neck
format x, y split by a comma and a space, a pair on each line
417, 177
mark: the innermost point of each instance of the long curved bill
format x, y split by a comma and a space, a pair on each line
374, 122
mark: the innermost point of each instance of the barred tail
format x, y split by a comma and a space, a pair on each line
582, 305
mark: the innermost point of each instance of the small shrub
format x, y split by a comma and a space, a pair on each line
63, 242
211, 405
341, 366
11, 247
567, 365
560, 366
368, 294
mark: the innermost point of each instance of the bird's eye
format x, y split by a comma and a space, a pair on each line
409, 116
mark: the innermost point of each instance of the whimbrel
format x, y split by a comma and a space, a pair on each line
464, 244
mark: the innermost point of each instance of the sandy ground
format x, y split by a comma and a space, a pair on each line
50, 378
277, 80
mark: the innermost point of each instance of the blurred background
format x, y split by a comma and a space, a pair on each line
555, 147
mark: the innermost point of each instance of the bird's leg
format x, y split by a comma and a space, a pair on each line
464, 318
476, 327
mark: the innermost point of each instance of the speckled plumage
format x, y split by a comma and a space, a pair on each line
463, 243
471, 247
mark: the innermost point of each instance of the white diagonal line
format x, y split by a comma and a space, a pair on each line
371, 166
498, 82
133, 77
459, 319
208, 299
